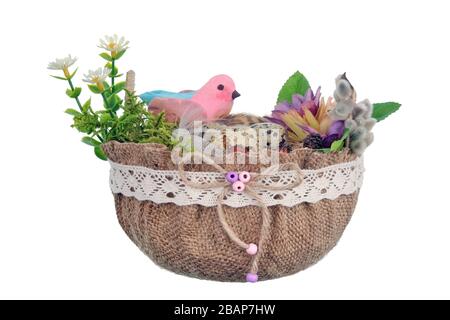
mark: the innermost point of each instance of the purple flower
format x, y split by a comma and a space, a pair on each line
337, 127
307, 115
310, 101
334, 133
329, 139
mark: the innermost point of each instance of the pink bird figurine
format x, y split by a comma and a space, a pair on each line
211, 102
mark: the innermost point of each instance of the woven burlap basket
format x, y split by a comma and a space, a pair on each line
189, 240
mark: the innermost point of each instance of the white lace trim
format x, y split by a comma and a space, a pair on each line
164, 186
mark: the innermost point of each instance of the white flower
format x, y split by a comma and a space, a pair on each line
97, 76
62, 64
114, 44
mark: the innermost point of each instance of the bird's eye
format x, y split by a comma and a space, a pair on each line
220, 87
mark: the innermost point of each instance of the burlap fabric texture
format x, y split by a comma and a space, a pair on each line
189, 240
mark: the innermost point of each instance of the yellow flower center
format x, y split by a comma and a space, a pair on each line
66, 72
99, 84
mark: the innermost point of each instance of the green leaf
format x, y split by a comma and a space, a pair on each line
59, 78
159, 119
117, 107
91, 141
99, 153
106, 85
105, 118
75, 93
73, 112
106, 56
107, 94
94, 88
118, 87
114, 102
382, 110
120, 54
73, 74
86, 105
69, 93
296, 84
338, 145
346, 134
114, 71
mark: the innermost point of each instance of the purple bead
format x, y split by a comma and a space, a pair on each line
252, 277
232, 177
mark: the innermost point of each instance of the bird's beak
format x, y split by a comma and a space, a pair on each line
235, 94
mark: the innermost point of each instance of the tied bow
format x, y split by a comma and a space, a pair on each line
251, 186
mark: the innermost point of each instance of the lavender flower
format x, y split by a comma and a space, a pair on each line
308, 114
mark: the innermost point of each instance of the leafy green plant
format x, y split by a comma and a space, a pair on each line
123, 120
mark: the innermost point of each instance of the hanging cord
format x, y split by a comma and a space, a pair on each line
253, 184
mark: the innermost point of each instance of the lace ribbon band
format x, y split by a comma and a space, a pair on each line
165, 186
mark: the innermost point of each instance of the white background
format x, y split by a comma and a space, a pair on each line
59, 237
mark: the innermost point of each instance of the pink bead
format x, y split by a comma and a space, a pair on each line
252, 277
252, 249
232, 177
244, 176
238, 186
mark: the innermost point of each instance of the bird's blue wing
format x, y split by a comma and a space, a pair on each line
147, 97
